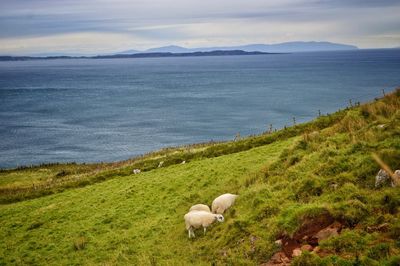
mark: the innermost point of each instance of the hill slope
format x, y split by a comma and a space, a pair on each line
320, 171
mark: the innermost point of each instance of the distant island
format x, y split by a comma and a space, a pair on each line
286, 47
137, 55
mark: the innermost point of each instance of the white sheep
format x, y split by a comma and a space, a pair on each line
197, 219
200, 207
136, 171
223, 202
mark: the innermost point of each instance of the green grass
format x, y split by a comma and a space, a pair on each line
110, 216
136, 219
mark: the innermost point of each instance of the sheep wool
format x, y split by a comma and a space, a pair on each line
223, 202
200, 207
197, 219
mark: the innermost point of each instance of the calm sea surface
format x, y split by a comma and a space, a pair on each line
113, 109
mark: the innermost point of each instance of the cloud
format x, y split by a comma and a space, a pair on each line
138, 24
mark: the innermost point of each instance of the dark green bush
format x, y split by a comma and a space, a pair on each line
380, 251
350, 241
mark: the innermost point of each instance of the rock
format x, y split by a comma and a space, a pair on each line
253, 240
316, 249
306, 248
397, 178
326, 233
288, 245
160, 164
381, 126
383, 179
278, 242
311, 226
380, 228
296, 252
334, 186
278, 258
383, 227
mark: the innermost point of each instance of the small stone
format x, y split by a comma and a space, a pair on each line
334, 186
296, 252
316, 249
397, 178
278, 258
383, 227
326, 233
381, 126
278, 242
307, 248
380, 228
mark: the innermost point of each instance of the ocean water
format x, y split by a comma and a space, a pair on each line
113, 109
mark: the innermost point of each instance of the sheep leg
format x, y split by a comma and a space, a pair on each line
205, 229
191, 233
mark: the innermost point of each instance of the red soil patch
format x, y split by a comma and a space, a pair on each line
306, 233
307, 237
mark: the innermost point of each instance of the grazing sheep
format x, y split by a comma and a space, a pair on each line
136, 171
200, 207
223, 202
197, 219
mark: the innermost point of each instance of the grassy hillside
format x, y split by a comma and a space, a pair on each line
103, 214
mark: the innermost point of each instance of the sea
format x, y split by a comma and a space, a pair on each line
104, 110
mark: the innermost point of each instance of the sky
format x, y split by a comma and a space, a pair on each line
100, 26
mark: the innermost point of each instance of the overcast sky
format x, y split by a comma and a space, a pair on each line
100, 26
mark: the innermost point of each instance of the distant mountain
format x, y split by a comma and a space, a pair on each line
171, 49
56, 54
137, 55
130, 52
292, 47
185, 54
286, 47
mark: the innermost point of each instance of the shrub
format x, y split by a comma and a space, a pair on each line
395, 230
394, 261
308, 259
309, 187
351, 241
379, 251
292, 217
351, 212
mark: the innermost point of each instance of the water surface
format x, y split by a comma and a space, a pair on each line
111, 109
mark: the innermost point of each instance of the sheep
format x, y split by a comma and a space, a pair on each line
196, 219
223, 202
200, 207
183, 162
136, 171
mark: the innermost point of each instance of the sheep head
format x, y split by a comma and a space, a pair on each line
219, 218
